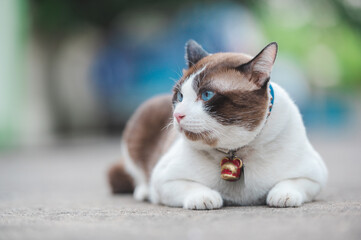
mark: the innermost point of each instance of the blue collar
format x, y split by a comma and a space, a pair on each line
272, 93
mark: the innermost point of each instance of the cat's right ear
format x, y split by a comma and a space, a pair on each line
194, 53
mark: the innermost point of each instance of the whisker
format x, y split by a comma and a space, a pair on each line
168, 125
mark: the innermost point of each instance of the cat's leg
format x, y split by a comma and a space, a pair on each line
292, 192
141, 188
189, 195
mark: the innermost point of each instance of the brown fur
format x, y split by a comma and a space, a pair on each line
216, 62
119, 180
146, 134
204, 136
239, 100
245, 109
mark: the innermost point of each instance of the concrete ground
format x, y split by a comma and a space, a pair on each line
62, 193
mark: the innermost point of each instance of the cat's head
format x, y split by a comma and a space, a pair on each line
222, 99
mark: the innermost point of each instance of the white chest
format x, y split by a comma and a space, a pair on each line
204, 168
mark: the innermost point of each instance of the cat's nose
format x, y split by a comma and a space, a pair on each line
179, 116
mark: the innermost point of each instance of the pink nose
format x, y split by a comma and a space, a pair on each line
179, 116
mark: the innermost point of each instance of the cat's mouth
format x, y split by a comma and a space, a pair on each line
196, 129
195, 133
204, 136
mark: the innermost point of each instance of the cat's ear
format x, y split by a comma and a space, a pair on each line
194, 53
261, 65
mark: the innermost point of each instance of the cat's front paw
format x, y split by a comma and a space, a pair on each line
203, 200
279, 197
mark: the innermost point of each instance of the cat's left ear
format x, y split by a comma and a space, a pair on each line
194, 53
261, 65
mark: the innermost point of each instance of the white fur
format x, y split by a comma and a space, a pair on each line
197, 120
281, 167
141, 190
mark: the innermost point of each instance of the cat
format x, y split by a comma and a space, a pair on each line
224, 102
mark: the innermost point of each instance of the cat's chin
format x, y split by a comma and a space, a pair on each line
190, 128
204, 137
233, 137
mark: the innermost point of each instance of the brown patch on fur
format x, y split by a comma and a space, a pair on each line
221, 73
245, 109
147, 135
204, 136
119, 180
239, 100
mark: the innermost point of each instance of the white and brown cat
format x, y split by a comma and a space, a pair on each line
222, 102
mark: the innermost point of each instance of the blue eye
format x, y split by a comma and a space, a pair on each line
206, 95
179, 97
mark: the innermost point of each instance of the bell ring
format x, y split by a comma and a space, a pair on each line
231, 168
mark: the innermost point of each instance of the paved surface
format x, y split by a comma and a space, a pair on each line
62, 193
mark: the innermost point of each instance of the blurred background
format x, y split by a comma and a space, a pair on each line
77, 69
73, 71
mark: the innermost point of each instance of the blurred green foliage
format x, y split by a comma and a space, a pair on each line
298, 26
53, 16
14, 35
325, 25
